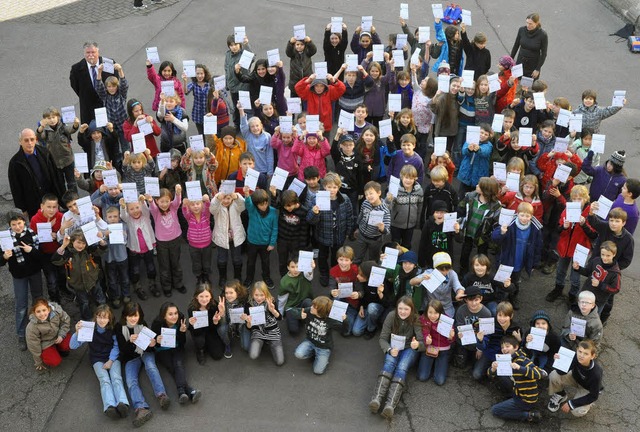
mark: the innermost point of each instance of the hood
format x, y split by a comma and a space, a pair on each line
55, 309
320, 81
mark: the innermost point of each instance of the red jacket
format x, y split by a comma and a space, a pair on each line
511, 201
548, 166
150, 140
320, 104
575, 234
506, 94
49, 247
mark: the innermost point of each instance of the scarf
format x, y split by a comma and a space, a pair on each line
17, 241
543, 139
408, 91
177, 112
127, 335
522, 226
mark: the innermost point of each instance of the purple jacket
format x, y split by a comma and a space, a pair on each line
604, 183
376, 97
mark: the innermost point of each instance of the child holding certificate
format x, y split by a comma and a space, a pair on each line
312, 149
295, 291
199, 85
170, 349
581, 322
228, 233
231, 325
541, 355
262, 234
167, 72
228, 148
174, 123
373, 224
405, 207
437, 346
116, 260
475, 160
203, 324
528, 192
261, 316
136, 115
137, 166
201, 165
56, 137
258, 141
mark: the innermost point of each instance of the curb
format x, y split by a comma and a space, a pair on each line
628, 9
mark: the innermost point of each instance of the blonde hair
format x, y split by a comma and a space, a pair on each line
525, 207
581, 192
516, 164
263, 288
439, 173
138, 157
322, 304
345, 252
332, 177
409, 171
175, 98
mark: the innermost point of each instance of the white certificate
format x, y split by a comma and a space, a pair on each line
168, 88
575, 122
376, 278
415, 57
228, 186
279, 178
164, 161
286, 124
152, 186
85, 334
424, 34
378, 53
265, 95
258, 316
320, 69
202, 319
313, 123
138, 142
346, 121
404, 11
435, 280
116, 233
366, 23
563, 117
304, 261
297, 186
390, 258
597, 143
81, 162
540, 101
526, 82
438, 13
401, 40
245, 59
323, 200
487, 325
504, 365
210, 125
494, 83
467, 78
152, 55
90, 231
525, 137
449, 223
239, 33
107, 65
445, 324
244, 97
395, 102
299, 32
398, 56
144, 127
251, 179
580, 255
336, 25
220, 82
517, 71
562, 173
130, 192
513, 182
144, 338
189, 67
6, 240
618, 98
561, 145
385, 127
468, 337
196, 143
294, 105
563, 363
338, 310
85, 207
443, 83
101, 117
506, 217
394, 186
345, 289
376, 217
578, 326
503, 273
538, 336
439, 146
500, 171
194, 191
604, 206
397, 342
68, 114
168, 337
352, 62
235, 315
466, 17
273, 56
473, 134
44, 232
574, 211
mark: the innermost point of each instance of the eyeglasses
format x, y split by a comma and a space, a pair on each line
585, 303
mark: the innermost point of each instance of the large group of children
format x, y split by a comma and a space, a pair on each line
352, 197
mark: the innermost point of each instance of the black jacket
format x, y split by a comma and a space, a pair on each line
478, 60
334, 55
80, 81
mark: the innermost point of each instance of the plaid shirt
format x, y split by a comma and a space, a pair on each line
23, 237
199, 101
332, 227
115, 104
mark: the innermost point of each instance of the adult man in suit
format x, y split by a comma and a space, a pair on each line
33, 173
83, 75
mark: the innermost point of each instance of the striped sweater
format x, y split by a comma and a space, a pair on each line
372, 231
525, 379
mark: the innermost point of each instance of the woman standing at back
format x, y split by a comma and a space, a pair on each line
532, 42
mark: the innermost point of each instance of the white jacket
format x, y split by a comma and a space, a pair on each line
228, 218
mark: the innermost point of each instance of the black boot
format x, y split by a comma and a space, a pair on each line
384, 379
237, 271
555, 293
393, 397
222, 271
153, 287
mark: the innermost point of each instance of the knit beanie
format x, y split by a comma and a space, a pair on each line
506, 62
228, 130
100, 165
175, 154
618, 158
444, 68
540, 314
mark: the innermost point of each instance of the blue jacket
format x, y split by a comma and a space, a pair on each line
474, 164
262, 231
508, 242
604, 183
329, 232
444, 54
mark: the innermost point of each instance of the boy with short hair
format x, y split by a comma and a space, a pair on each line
603, 275
295, 291
173, 176
432, 239
293, 229
117, 263
360, 122
262, 235
312, 180
586, 310
469, 313
349, 166
592, 114
71, 219
525, 384
627, 202
247, 161
370, 236
439, 189
407, 156
585, 376
231, 69
489, 345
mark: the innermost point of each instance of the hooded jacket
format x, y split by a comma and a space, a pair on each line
40, 335
604, 183
320, 104
82, 268
300, 65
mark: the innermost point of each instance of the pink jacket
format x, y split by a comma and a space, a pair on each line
156, 80
431, 329
286, 159
199, 231
167, 225
311, 156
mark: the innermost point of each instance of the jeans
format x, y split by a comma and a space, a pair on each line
118, 276
321, 360
173, 360
426, 363
169, 263
132, 370
83, 299
111, 386
369, 322
225, 331
561, 274
277, 352
200, 260
398, 366
293, 323
134, 266
512, 409
252, 253
21, 288
352, 314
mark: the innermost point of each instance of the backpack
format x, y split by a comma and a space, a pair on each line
452, 14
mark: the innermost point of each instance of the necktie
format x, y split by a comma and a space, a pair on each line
93, 74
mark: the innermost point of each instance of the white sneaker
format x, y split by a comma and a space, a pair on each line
140, 7
556, 401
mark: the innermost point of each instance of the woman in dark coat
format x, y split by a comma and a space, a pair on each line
532, 43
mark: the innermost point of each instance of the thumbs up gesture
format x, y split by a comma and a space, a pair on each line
414, 343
